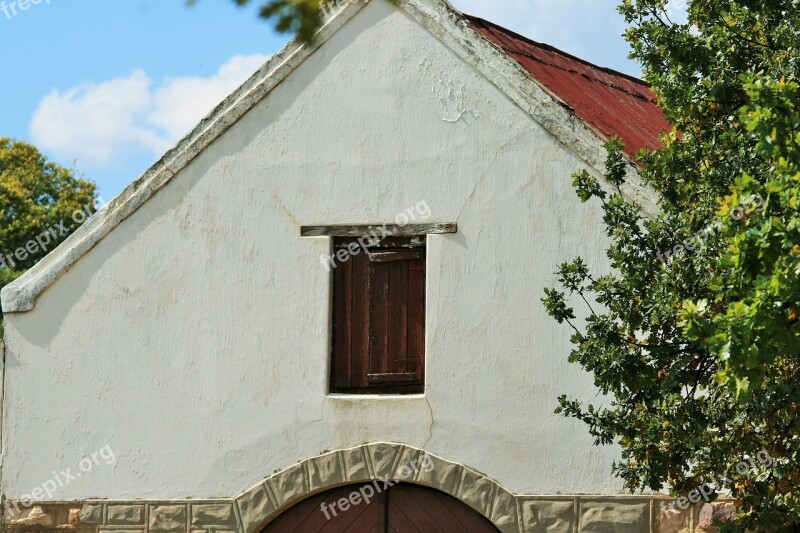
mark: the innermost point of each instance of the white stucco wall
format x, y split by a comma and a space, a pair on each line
193, 340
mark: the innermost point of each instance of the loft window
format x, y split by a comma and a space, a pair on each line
379, 317
378, 326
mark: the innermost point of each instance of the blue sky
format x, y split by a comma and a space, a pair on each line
106, 86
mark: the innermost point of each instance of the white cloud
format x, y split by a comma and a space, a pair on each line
181, 102
98, 121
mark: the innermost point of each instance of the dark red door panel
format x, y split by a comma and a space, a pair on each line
399, 509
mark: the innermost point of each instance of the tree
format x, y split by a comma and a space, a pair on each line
695, 335
41, 204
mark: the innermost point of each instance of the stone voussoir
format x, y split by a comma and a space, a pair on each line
326, 470
477, 491
442, 475
504, 511
383, 457
407, 464
255, 507
289, 485
356, 468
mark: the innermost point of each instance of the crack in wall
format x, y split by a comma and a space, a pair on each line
433, 423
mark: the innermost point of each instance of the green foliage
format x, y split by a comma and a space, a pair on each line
695, 335
36, 196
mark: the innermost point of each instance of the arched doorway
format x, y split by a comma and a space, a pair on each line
374, 508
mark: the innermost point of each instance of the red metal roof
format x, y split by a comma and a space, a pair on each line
613, 103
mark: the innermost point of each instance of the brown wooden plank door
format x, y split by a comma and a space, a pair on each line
309, 517
351, 324
412, 509
399, 509
397, 319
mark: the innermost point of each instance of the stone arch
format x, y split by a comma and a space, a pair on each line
364, 508
267, 500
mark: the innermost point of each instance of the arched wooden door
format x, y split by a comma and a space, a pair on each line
368, 509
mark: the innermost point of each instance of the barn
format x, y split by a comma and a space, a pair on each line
320, 310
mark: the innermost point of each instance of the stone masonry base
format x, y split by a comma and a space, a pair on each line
251, 511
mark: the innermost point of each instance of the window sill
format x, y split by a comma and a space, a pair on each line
374, 397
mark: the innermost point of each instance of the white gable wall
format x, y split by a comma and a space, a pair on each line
194, 339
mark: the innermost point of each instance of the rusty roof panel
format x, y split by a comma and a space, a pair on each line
615, 104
